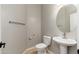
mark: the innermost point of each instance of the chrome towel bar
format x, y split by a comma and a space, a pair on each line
14, 22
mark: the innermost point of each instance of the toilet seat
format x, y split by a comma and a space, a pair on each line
41, 45
41, 48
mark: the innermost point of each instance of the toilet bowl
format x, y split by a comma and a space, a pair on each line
41, 47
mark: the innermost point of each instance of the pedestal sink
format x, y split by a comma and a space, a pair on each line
64, 43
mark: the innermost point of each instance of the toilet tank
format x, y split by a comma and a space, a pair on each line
47, 40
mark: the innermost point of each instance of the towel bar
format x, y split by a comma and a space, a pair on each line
13, 22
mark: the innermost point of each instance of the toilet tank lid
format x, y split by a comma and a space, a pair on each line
47, 36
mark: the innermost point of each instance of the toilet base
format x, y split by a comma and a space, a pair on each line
41, 52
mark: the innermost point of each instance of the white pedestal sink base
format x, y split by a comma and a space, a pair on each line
64, 43
63, 49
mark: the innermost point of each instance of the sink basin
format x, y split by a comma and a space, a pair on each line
67, 42
64, 43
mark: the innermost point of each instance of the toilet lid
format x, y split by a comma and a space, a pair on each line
41, 45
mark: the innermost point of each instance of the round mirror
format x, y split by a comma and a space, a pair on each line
63, 17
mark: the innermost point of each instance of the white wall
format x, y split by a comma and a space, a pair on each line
49, 24
13, 34
75, 23
75, 26
33, 24
17, 36
0, 26
49, 21
0, 23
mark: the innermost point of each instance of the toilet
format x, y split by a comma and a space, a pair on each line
41, 47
